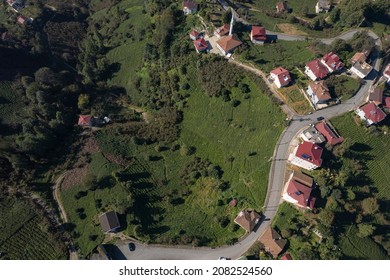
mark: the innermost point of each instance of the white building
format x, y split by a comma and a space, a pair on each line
322, 6
361, 69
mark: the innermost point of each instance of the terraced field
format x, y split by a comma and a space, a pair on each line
25, 234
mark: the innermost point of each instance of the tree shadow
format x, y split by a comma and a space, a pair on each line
114, 252
360, 147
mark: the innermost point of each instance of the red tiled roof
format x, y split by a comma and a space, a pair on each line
386, 102
283, 75
301, 193
373, 112
194, 33
233, 202
229, 42
259, 33
223, 30
319, 70
200, 44
310, 152
387, 70
333, 61
286, 257
84, 120
331, 136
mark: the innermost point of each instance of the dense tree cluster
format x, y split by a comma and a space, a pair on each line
199, 168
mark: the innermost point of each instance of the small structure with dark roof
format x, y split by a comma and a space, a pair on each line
376, 96
247, 219
272, 241
311, 134
233, 202
189, 7
89, 121
109, 222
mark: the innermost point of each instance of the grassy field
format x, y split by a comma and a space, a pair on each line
111, 197
25, 234
283, 53
127, 53
295, 99
345, 87
375, 148
233, 138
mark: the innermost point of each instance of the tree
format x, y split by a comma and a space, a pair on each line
227, 16
326, 217
365, 230
370, 206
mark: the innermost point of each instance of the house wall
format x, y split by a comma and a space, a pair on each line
288, 198
358, 73
222, 51
310, 74
361, 114
301, 162
276, 80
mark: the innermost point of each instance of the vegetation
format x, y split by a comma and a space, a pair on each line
26, 234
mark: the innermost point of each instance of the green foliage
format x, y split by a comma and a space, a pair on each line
370, 205
25, 233
365, 230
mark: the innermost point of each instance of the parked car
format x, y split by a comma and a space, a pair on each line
131, 246
320, 118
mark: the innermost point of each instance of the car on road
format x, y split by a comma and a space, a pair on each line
131, 246
223, 258
320, 118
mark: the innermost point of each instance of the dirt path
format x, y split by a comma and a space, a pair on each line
289, 112
64, 217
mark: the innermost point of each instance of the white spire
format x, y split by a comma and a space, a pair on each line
231, 22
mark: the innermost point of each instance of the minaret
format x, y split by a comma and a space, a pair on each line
231, 23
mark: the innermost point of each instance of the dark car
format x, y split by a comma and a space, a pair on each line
320, 118
131, 246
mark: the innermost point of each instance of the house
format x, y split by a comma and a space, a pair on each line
306, 155
329, 132
281, 77
247, 220
316, 70
361, 69
322, 6
189, 7
273, 242
194, 35
17, 5
386, 73
258, 35
319, 94
386, 102
281, 7
286, 257
332, 62
222, 31
89, 121
371, 113
22, 20
299, 191
376, 96
200, 45
358, 57
227, 44
109, 222
311, 134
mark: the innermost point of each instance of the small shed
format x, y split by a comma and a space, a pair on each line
109, 222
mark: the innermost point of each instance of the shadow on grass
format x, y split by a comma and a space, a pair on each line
114, 252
